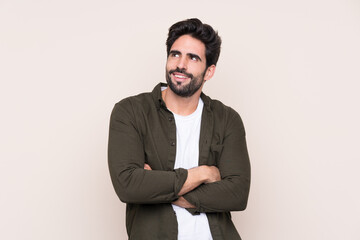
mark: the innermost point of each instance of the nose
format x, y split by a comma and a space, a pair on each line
182, 62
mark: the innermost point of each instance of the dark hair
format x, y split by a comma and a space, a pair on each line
203, 32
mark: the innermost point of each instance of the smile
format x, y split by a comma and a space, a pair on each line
180, 76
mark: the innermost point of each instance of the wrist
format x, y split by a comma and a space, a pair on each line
204, 173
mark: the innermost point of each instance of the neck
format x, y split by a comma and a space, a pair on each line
181, 105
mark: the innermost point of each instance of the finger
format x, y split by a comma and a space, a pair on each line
147, 167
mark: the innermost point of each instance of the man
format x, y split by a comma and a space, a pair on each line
177, 158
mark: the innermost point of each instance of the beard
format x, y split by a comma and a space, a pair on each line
185, 90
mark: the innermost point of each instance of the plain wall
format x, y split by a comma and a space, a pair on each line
290, 68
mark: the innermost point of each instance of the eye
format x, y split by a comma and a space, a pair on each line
175, 55
194, 58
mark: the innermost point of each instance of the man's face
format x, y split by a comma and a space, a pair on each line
186, 66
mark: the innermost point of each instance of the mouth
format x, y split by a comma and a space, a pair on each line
180, 77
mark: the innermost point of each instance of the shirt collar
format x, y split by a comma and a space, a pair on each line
159, 102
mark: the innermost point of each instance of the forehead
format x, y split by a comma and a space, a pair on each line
187, 44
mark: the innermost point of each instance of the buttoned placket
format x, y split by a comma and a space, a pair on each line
207, 125
171, 135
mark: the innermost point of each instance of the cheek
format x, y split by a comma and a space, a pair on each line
199, 71
170, 67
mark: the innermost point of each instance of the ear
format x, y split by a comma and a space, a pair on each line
210, 71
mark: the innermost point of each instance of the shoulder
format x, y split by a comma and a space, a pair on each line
224, 116
131, 106
140, 99
219, 109
143, 102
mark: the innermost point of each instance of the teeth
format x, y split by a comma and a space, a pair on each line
180, 76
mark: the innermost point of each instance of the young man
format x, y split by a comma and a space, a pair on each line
177, 158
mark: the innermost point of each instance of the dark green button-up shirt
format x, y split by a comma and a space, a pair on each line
142, 130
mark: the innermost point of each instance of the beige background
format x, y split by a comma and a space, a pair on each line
290, 68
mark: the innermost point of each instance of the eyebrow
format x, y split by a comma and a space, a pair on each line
191, 55
175, 52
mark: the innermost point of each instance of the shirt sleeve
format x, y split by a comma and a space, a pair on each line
126, 159
231, 193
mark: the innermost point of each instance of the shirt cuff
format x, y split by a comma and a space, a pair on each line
192, 198
180, 178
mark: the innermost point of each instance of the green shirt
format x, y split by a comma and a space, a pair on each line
143, 130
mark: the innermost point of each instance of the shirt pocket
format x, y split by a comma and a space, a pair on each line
215, 153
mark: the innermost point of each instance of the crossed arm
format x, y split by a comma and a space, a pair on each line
199, 188
196, 176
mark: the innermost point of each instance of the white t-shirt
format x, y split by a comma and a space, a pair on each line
190, 227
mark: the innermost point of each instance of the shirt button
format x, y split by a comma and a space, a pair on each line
172, 143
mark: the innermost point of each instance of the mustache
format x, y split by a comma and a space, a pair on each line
189, 75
